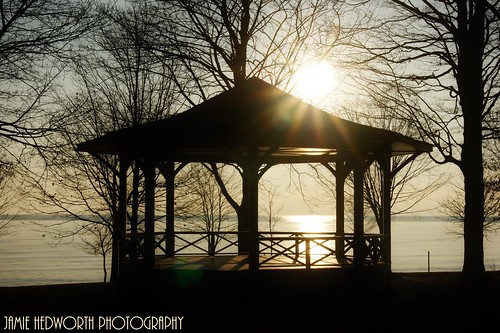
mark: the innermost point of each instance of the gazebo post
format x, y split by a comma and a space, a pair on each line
339, 210
149, 214
244, 217
251, 197
359, 237
385, 164
120, 227
170, 204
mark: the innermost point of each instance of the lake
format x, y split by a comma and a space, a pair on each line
29, 257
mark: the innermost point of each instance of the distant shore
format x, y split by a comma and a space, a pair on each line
412, 302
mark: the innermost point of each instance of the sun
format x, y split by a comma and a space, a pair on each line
315, 82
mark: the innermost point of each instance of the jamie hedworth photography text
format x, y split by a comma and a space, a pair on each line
92, 323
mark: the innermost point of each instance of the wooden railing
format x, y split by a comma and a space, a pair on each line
374, 251
297, 249
186, 243
206, 243
276, 249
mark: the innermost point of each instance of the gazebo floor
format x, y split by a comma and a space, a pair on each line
192, 274
217, 263
236, 263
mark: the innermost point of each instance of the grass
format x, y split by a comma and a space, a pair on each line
416, 302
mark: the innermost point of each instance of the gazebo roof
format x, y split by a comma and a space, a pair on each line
253, 116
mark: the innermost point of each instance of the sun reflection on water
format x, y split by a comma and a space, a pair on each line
314, 226
311, 223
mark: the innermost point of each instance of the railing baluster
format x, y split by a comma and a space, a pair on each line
308, 254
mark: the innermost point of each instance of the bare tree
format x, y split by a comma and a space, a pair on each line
8, 195
209, 210
221, 43
97, 240
35, 38
271, 211
439, 63
453, 205
118, 84
412, 178
269, 208
492, 182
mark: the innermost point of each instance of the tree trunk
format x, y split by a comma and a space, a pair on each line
243, 222
470, 84
119, 222
134, 218
472, 169
241, 45
104, 267
115, 257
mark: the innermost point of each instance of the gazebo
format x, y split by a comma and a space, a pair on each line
255, 125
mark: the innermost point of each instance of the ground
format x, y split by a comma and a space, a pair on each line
418, 302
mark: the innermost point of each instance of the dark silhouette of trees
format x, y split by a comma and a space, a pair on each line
117, 84
269, 206
492, 183
453, 204
97, 240
7, 195
208, 209
221, 43
35, 38
412, 177
437, 66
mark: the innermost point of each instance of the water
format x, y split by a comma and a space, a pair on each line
415, 240
29, 258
